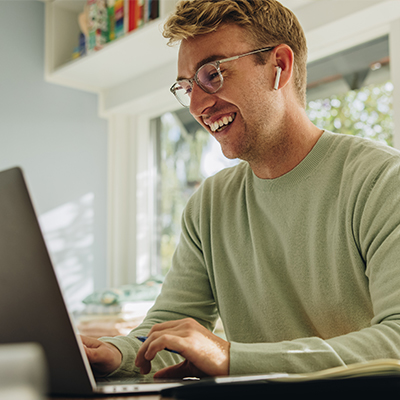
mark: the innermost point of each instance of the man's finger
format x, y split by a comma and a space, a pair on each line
179, 371
90, 342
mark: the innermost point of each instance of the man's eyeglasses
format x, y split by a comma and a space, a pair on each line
208, 77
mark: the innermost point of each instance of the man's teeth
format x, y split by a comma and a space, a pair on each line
218, 125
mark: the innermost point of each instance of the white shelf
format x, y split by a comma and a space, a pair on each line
140, 63
122, 60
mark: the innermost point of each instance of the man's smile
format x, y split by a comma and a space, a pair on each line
221, 123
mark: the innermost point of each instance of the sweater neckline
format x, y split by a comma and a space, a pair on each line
301, 171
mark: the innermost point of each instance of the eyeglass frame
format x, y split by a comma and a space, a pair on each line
216, 64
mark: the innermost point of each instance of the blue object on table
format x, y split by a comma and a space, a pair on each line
144, 338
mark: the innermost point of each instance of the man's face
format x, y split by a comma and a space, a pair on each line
244, 105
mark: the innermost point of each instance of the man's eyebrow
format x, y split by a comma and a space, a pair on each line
206, 60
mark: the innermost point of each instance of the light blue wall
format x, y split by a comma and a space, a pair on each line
56, 136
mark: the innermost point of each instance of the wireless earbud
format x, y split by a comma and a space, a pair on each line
278, 77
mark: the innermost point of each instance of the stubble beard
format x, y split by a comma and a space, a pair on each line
261, 142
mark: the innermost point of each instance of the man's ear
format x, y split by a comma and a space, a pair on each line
283, 60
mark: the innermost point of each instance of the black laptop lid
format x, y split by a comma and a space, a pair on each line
31, 305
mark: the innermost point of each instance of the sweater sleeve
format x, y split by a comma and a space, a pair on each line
186, 293
376, 229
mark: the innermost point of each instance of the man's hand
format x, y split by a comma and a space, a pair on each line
206, 354
103, 357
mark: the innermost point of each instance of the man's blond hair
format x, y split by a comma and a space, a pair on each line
268, 22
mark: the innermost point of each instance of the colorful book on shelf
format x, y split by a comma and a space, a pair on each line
139, 12
154, 9
111, 19
119, 18
130, 15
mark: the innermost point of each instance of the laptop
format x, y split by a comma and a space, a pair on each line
32, 308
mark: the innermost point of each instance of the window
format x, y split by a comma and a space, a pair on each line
366, 112
351, 92
186, 155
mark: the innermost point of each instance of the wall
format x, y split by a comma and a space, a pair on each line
56, 136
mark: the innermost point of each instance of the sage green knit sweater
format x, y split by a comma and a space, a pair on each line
304, 270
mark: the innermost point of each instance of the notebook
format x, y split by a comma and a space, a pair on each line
372, 379
32, 308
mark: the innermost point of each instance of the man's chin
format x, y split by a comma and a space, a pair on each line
229, 153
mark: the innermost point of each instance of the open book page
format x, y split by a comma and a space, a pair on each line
384, 367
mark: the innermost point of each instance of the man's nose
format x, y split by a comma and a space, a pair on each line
200, 100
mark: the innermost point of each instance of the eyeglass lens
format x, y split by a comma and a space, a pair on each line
182, 92
208, 78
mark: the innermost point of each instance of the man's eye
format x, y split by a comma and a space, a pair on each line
213, 76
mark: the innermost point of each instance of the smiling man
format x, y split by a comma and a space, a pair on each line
297, 248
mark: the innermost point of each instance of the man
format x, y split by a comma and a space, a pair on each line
297, 248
